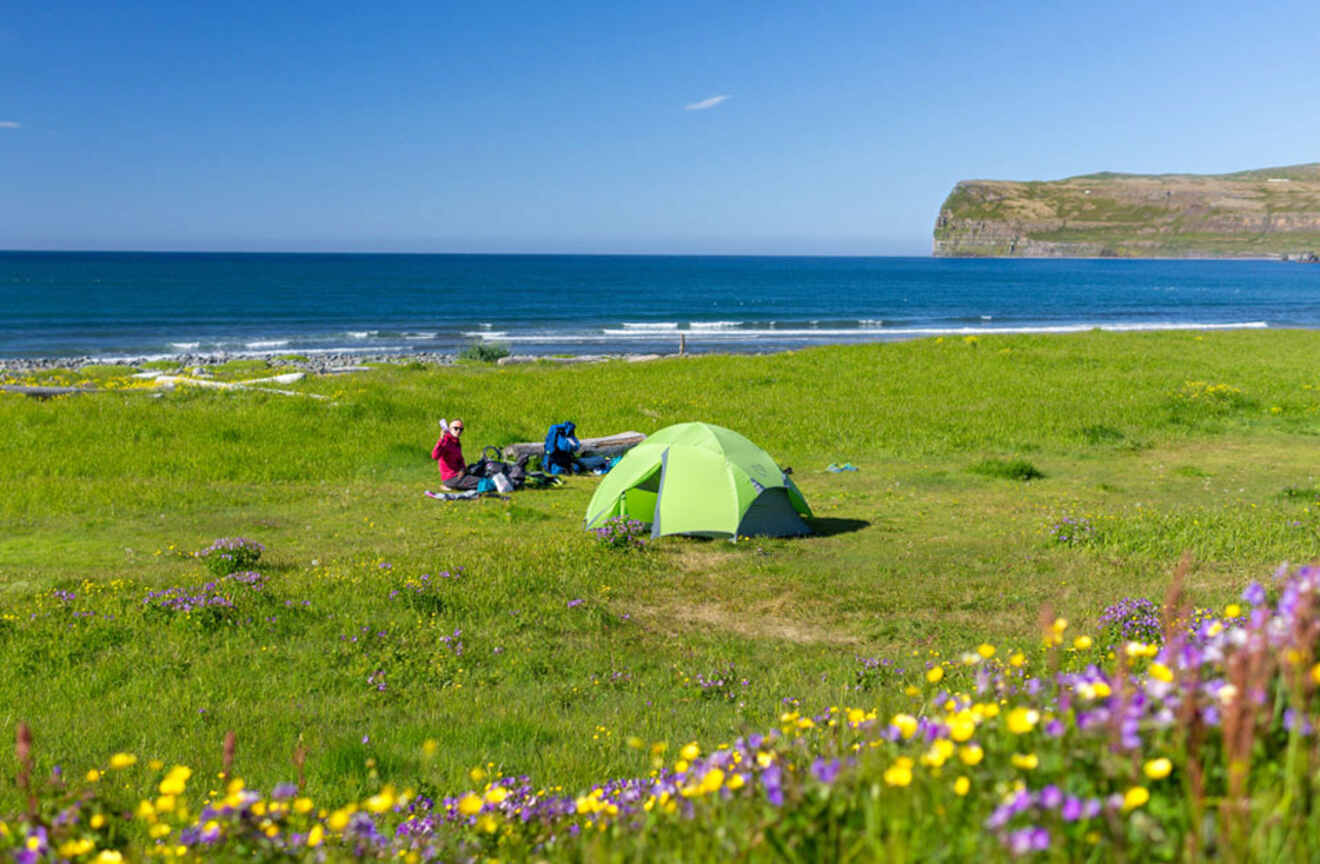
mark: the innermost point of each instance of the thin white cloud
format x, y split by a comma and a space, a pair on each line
9, 124
705, 103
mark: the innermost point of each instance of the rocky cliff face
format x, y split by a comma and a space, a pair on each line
1274, 212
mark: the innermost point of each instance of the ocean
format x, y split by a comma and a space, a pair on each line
146, 305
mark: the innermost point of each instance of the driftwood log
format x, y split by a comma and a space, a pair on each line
610, 445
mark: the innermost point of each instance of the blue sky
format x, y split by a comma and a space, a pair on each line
425, 126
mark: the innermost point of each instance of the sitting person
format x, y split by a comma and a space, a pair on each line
448, 453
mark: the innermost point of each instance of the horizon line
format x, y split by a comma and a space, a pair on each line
451, 253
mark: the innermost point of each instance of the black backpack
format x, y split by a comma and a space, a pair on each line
490, 465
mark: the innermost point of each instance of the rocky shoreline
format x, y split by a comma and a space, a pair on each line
320, 364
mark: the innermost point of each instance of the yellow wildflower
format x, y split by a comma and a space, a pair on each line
1135, 797
938, 753
986, 650
1022, 720
1157, 769
734, 782
1081, 643
690, 751
900, 773
934, 674
962, 726
905, 723
1160, 672
971, 754
469, 804
712, 782
94, 775
315, 836
1026, 761
172, 785
338, 820
122, 760
961, 785
109, 856
381, 801
1017, 660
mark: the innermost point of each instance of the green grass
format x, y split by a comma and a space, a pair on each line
915, 553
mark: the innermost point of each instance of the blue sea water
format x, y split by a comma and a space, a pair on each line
121, 305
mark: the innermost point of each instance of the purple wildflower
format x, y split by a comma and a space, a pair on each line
1254, 594
825, 772
772, 781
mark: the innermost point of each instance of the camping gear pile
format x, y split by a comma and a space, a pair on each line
563, 453
701, 480
498, 475
561, 446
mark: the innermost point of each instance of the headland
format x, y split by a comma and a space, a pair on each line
1268, 213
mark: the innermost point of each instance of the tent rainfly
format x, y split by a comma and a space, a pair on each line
701, 480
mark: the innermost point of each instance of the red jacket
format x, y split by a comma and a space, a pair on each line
449, 453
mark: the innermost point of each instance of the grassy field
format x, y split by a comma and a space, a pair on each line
540, 652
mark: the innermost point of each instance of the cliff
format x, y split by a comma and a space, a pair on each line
1271, 213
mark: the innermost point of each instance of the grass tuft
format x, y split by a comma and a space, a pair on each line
483, 352
1007, 469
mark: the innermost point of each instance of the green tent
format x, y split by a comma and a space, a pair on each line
702, 480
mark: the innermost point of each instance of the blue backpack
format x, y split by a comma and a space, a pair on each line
560, 446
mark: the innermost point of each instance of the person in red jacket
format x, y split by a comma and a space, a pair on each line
448, 453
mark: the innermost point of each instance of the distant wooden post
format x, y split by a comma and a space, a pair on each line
682, 343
